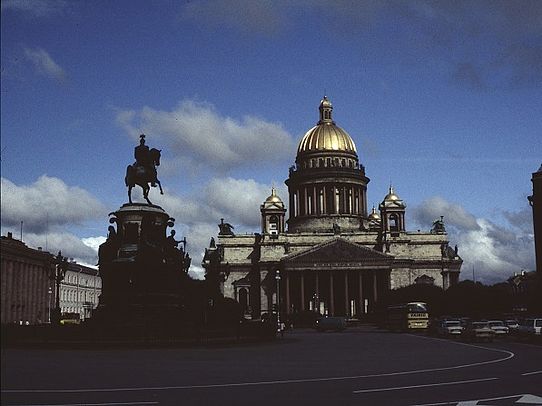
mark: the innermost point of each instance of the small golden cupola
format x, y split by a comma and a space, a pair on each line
273, 212
374, 220
392, 212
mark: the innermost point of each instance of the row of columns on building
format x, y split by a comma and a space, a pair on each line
27, 293
285, 291
328, 199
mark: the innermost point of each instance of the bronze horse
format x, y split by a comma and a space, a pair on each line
142, 176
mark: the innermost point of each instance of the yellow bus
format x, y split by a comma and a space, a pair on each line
408, 316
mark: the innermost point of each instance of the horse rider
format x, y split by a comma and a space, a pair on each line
143, 159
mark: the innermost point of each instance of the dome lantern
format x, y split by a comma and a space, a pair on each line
326, 108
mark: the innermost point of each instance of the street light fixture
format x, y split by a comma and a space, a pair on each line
57, 275
277, 278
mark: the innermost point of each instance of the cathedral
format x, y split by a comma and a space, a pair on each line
332, 255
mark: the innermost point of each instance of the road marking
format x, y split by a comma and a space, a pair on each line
277, 382
530, 399
531, 373
426, 385
522, 399
96, 404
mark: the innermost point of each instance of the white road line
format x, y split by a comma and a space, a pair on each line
277, 382
477, 400
423, 385
531, 373
96, 404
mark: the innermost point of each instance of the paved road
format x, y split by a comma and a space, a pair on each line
361, 366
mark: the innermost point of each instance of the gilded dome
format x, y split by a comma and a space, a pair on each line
391, 196
326, 136
273, 200
374, 215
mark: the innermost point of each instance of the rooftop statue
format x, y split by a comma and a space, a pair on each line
225, 228
143, 171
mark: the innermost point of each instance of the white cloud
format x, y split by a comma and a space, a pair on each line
70, 245
44, 64
197, 135
494, 251
454, 214
94, 242
47, 203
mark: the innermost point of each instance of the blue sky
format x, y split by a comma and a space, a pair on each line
443, 100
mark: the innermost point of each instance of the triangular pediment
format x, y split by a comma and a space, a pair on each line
337, 251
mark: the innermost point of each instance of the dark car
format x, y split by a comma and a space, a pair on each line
330, 323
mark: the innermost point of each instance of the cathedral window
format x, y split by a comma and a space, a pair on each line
393, 222
321, 209
337, 200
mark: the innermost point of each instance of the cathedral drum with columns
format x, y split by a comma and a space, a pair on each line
334, 257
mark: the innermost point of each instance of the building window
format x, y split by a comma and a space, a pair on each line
393, 222
321, 201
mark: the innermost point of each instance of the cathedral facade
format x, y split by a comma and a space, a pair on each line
332, 255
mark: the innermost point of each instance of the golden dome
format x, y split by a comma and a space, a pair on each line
273, 199
374, 215
326, 136
391, 196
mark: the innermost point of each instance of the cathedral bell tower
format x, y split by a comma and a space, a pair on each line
392, 213
273, 212
327, 185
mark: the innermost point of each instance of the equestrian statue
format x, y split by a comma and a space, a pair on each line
143, 171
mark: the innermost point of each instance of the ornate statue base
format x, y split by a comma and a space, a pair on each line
143, 272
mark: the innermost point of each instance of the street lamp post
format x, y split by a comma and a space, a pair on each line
277, 278
57, 275
50, 292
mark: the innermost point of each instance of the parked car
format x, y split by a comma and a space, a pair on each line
512, 325
531, 327
450, 328
498, 327
330, 323
479, 330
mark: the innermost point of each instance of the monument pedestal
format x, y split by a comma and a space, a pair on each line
142, 270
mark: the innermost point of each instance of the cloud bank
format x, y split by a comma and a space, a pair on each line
48, 202
494, 251
196, 134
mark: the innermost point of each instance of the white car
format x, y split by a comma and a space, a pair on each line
512, 324
498, 327
531, 327
450, 328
